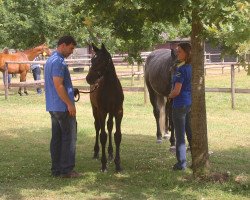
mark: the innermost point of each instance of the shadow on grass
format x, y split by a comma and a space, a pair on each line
25, 170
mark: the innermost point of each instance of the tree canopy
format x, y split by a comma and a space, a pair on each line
126, 26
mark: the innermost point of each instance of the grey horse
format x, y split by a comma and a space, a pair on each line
158, 68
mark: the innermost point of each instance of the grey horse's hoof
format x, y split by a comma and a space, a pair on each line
172, 149
159, 141
166, 136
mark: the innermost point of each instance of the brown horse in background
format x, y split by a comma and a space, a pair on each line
106, 99
22, 69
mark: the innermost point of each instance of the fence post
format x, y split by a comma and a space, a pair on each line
139, 69
6, 83
132, 78
232, 86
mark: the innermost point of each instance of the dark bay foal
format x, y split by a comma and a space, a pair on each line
106, 100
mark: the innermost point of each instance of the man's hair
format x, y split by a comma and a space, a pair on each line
67, 39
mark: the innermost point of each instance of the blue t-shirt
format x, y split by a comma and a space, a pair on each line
56, 67
183, 75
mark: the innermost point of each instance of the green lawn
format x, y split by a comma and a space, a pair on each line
147, 174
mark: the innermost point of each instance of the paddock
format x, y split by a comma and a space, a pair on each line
147, 174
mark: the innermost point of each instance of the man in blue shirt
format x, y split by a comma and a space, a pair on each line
59, 95
36, 71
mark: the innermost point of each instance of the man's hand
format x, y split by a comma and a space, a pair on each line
72, 110
58, 82
76, 92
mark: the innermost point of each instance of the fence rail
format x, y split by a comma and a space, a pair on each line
117, 61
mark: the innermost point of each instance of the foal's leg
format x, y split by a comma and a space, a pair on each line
118, 138
110, 128
97, 129
103, 139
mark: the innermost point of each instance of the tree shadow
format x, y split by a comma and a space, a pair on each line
147, 172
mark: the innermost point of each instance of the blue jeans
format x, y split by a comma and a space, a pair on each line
181, 119
63, 142
9, 78
37, 76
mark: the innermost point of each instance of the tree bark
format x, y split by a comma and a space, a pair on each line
200, 156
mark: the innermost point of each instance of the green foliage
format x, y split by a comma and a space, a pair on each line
32, 22
130, 26
124, 26
140, 24
227, 24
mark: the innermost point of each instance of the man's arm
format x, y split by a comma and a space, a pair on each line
58, 82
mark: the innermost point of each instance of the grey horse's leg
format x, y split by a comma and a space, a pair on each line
153, 100
161, 104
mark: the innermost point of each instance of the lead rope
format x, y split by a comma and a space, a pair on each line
77, 92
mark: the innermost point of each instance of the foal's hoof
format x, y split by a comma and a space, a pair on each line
159, 141
26, 93
96, 157
111, 157
104, 170
118, 169
20, 93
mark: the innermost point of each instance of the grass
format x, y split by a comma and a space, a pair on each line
147, 174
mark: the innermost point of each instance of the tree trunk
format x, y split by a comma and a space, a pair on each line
200, 156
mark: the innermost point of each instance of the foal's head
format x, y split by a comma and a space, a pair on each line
99, 64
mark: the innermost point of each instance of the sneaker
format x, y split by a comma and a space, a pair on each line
72, 174
177, 167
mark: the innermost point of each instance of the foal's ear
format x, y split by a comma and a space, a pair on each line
103, 47
173, 54
94, 47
